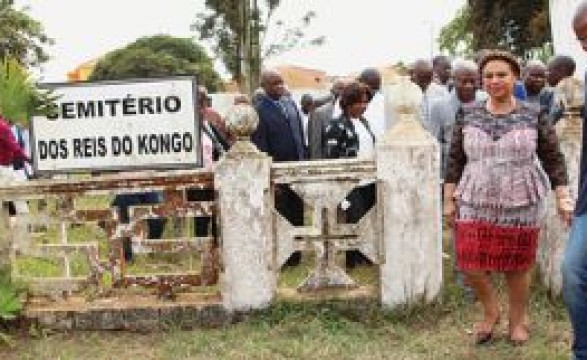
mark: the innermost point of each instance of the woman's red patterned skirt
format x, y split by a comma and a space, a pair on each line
481, 245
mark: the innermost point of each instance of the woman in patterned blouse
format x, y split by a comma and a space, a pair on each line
503, 157
350, 136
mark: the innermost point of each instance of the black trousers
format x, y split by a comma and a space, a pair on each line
361, 200
291, 206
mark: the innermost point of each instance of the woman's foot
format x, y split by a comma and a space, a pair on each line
484, 330
519, 334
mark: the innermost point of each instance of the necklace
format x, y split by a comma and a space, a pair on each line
501, 108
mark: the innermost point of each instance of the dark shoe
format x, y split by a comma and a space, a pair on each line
484, 332
483, 337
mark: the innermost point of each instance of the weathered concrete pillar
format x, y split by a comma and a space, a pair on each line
408, 171
555, 234
242, 182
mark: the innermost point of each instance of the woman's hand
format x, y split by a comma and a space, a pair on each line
449, 211
564, 205
449, 208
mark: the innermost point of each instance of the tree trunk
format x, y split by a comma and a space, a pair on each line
255, 51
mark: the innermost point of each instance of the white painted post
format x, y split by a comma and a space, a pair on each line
408, 170
242, 182
554, 234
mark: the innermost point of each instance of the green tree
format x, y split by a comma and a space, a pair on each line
455, 38
238, 29
520, 26
20, 99
159, 55
21, 37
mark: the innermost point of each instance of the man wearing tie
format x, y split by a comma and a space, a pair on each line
280, 134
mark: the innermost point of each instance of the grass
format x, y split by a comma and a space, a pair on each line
328, 329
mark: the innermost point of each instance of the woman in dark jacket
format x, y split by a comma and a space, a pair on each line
350, 136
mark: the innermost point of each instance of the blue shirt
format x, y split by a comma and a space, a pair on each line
520, 91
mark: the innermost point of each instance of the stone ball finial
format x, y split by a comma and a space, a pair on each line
406, 97
242, 120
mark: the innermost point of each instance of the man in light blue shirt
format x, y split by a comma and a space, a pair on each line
443, 111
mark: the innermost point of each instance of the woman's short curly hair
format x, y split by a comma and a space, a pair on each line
353, 93
501, 55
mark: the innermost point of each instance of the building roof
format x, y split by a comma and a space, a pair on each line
298, 77
83, 71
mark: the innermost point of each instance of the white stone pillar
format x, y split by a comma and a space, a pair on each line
408, 171
242, 181
554, 235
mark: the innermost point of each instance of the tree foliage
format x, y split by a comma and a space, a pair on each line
155, 56
455, 38
21, 37
10, 304
515, 25
238, 32
20, 99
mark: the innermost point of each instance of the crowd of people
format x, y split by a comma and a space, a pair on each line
493, 117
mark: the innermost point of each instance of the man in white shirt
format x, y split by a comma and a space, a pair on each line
422, 76
442, 68
375, 113
306, 108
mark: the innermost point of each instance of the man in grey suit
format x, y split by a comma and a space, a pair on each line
318, 120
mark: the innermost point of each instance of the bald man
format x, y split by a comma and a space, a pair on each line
442, 67
422, 75
280, 131
538, 92
534, 80
559, 67
280, 134
443, 112
375, 113
574, 267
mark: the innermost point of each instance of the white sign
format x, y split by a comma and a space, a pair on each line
124, 125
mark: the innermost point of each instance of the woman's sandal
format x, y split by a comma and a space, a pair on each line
484, 332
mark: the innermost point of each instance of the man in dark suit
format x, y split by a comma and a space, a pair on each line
318, 120
280, 134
